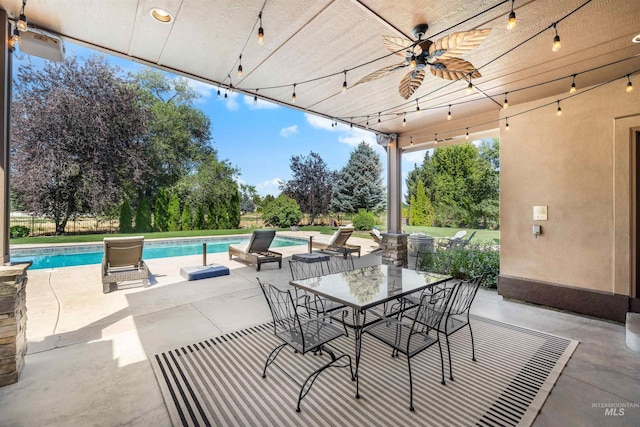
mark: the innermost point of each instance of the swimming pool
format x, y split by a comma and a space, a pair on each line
69, 256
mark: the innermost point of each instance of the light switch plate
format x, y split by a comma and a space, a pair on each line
539, 213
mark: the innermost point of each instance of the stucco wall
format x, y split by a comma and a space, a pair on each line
569, 163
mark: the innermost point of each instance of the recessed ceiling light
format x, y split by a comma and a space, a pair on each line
160, 15
636, 39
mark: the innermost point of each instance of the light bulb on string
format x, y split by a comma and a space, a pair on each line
505, 104
15, 38
260, 30
559, 110
573, 85
629, 84
469, 86
556, 40
293, 95
404, 120
22, 21
511, 23
506, 127
435, 139
240, 66
367, 120
417, 108
378, 118
411, 141
449, 114
218, 92
467, 135
344, 84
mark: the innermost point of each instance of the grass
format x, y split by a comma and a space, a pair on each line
491, 236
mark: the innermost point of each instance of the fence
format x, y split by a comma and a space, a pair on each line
41, 226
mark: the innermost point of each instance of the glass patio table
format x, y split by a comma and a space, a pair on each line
365, 288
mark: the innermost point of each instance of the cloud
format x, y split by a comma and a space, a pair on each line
260, 105
231, 101
414, 157
355, 136
202, 89
318, 122
271, 186
288, 131
348, 135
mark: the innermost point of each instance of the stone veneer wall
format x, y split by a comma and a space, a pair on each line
394, 249
13, 323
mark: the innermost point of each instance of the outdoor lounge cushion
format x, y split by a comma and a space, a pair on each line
204, 271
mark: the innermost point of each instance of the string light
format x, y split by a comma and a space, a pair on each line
260, 30
15, 38
467, 135
378, 118
417, 108
367, 120
218, 92
435, 139
449, 115
629, 85
573, 85
240, 66
344, 84
512, 18
559, 110
505, 104
22, 21
404, 120
411, 141
293, 95
556, 40
469, 86
506, 127
255, 97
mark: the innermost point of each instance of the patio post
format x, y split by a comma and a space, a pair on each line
5, 99
394, 241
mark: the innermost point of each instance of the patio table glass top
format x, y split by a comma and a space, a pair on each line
366, 287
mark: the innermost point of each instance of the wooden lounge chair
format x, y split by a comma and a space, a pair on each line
338, 243
257, 250
122, 261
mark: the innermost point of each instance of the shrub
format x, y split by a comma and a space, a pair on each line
465, 263
18, 231
161, 212
282, 212
187, 218
125, 218
363, 220
143, 216
199, 222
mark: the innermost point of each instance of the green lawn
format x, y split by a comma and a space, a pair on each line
481, 235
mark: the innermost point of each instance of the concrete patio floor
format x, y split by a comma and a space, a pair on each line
87, 356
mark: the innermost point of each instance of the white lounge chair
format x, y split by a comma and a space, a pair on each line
122, 261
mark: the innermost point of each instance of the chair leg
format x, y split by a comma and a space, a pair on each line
473, 348
449, 354
271, 358
410, 385
306, 386
441, 362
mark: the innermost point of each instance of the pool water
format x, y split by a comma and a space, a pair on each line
69, 256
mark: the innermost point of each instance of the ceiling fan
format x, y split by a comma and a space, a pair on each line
440, 57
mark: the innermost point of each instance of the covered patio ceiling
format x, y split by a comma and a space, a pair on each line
310, 43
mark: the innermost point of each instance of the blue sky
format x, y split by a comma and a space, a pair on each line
260, 139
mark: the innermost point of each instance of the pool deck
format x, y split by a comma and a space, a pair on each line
87, 361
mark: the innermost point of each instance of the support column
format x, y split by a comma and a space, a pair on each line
5, 100
13, 322
394, 242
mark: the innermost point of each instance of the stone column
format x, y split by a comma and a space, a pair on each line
394, 249
13, 321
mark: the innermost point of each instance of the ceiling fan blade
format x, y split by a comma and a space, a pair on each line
398, 45
454, 69
457, 44
380, 73
410, 83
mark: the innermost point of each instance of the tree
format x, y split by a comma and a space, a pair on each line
249, 194
420, 210
143, 216
125, 218
187, 218
199, 222
161, 213
311, 185
360, 183
173, 220
75, 152
283, 212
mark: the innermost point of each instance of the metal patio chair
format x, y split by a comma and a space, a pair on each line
303, 335
411, 339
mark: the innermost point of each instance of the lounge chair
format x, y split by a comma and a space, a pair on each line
377, 237
257, 250
122, 261
449, 242
338, 243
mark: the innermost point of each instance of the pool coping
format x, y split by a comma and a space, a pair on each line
24, 250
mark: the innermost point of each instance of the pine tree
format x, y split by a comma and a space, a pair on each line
360, 183
125, 218
173, 220
161, 214
143, 216
199, 222
423, 209
187, 218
